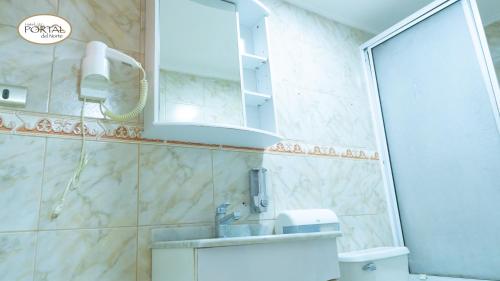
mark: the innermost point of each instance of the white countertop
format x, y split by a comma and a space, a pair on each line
246, 240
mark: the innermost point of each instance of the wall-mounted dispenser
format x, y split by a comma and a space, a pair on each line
258, 190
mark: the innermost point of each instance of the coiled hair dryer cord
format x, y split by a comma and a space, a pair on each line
143, 96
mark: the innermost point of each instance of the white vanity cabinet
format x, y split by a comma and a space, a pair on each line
287, 259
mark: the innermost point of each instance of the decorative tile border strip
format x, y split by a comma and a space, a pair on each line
7, 122
325, 151
287, 147
56, 127
25, 123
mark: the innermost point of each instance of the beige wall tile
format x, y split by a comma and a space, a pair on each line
314, 53
21, 167
115, 22
497, 70
348, 187
107, 195
219, 101
82, 255
27, 65
354, 187
317, 68
297, 181
364, 232
332, 120
17, 256
123, 90
493, 37
12, 12
175, 185
144, 254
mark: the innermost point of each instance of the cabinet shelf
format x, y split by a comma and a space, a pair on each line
216, 134
252, 61
256, 99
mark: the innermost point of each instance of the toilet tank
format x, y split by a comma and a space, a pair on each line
376, 264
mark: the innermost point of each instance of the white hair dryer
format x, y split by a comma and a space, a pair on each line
95, 78
93, 86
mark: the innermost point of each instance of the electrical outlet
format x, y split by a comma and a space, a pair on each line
13, 95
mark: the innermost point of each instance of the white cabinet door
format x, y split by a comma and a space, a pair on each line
288, 261
173, 264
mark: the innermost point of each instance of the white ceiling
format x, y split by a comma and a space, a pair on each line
375, 16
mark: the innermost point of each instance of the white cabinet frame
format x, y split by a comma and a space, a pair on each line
260, 128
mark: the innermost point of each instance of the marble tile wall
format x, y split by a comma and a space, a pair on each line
316, 64
493, 37
132, 186
212, 100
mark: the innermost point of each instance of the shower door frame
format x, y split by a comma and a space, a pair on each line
476, 30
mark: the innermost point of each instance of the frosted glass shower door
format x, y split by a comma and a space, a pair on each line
443, 144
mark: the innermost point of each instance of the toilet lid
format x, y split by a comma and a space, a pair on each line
373, 254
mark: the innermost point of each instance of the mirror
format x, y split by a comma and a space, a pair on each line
490, 16
199, 62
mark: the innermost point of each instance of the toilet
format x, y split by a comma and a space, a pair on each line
376, 264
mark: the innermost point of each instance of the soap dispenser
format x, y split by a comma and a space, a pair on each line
258, 190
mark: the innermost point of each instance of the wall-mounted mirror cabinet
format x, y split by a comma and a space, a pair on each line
208, 63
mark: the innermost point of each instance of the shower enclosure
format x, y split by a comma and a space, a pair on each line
436, 101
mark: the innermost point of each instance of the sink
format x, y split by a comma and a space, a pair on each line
237, 234
207, 232
242, 230
239, 230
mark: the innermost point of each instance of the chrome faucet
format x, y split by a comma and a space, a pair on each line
222, 221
